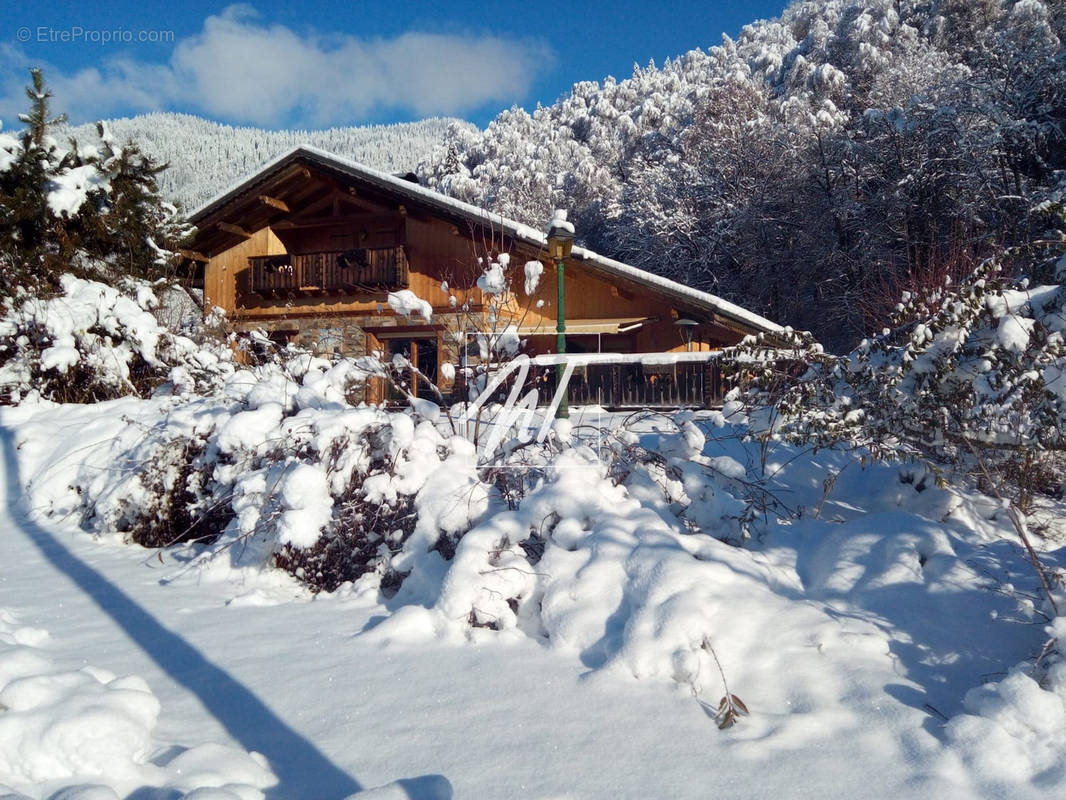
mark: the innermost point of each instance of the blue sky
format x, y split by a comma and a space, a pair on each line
284, 64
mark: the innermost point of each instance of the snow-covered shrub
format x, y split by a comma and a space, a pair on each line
601, 570
971, 375
94, 342
968, 380
169, 498
272, 456
278, 466
397, 493
667, 470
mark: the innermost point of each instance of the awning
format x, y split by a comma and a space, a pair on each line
575, 327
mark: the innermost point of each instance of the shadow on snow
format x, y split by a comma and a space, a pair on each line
303, 771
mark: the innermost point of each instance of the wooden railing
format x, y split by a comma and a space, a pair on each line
651, 386
341, 271
696, 384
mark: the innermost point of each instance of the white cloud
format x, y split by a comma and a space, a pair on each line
240, 70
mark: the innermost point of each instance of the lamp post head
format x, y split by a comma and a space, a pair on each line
560, 236
688, 329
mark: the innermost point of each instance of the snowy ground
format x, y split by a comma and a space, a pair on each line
852, 635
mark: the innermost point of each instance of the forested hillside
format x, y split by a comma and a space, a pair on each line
814, 168
205, 157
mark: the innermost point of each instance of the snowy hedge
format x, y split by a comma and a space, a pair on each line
277, 465
95, 342
543, 541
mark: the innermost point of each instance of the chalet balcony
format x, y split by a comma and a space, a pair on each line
358, 271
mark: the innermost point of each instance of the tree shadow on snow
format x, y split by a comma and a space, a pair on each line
427, 787
302, 770
948, 625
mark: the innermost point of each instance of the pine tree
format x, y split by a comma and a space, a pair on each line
94, 211
38, 121
27, 229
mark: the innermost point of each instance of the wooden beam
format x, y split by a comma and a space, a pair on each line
193, 255
359, 202
273, 202
372, 220
347, 193
236, 230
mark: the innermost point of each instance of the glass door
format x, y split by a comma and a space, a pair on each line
422, 353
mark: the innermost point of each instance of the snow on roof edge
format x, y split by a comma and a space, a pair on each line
516, 229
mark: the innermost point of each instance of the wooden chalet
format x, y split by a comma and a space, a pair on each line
309, 248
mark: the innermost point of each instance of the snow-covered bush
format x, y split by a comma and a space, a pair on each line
278, 466
970, 376
270, 456
668, 470
969, 379
94, 342
376, 494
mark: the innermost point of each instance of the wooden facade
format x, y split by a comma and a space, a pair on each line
309, 248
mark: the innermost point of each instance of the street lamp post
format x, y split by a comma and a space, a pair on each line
560, 240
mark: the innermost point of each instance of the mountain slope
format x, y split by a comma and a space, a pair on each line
812, 169
205, 157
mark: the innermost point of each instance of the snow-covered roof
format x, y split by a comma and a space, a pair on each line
523, 233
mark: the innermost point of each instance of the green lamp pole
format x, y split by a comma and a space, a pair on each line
560, 240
